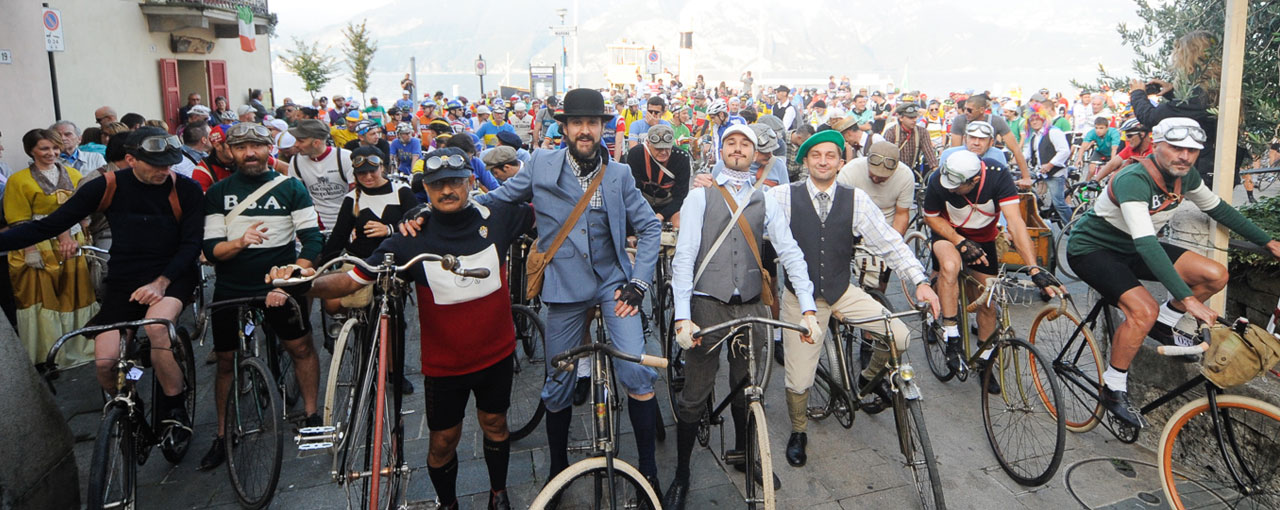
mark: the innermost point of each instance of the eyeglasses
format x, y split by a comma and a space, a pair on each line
244, 128
159, 143
661, 138
1180, 133
656, 112
452, 182
452, 162
1132, 134
884, 161
372, 159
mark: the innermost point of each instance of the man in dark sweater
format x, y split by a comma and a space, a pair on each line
469, 343
152, 269
661, 172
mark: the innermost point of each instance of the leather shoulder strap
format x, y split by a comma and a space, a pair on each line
578, 209
110, 192
1174, 198
743, 225
173, 197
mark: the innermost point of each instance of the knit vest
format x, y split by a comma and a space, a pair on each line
732, 266
827, 246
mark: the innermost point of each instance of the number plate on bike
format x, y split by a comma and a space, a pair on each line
134, 374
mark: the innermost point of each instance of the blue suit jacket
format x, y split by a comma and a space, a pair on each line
548, 181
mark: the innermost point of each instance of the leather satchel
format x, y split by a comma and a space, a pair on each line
766, 280
537, 261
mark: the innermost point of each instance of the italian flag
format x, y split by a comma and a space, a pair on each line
245, 18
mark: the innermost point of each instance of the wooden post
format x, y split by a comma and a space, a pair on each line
1224, 163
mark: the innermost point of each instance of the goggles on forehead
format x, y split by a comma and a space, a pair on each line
159, 143
372, 159
245, 128
1180, 133
879, 160
452, 162
661, 137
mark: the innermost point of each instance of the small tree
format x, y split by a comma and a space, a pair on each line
1153, 39
359, 52
310, 63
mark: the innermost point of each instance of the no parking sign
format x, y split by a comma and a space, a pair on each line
653, 62
52, 20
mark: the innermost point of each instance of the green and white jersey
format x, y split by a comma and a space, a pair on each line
1105, 226
286, 212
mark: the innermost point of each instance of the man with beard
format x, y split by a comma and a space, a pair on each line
714, 286
244, 243
592, 267
1115, 245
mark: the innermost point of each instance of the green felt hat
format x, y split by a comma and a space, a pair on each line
829, 135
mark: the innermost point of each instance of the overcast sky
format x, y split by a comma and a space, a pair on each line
1026, 43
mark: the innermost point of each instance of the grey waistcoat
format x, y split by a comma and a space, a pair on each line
732, 266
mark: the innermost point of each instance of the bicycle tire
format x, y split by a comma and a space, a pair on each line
764, 359
1266, 181
1051, 329
257, 390
528, 374
935, 347
285, 371
675, 370
758, 450
589, 471
340, 382
1235, 412
185, 358
387, 473
917, 450
113, 454
866, 346
667, 313
1030, 468
348, 463
828, 398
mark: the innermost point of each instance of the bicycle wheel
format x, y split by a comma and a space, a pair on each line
528, 374
666, 315
113, 477
1197, 460
758, 452
585, 484
828, 398
1026, 437
254, 434
283, 368
185, 358
340, 385
764, 358
385, 489
1060, 246
917, 451
675, 370
865, 341
931, 338
1081, 366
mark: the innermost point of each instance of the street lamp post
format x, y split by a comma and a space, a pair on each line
480, 70
564, 48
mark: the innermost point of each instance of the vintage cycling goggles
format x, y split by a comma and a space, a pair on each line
661, 137
451, 162
372, 159
884, 161
244, 128
159, 143
1180, 133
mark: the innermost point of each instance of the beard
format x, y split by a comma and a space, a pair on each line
252, 168
587, 161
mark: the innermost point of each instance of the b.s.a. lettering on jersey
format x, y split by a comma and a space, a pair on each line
229, 202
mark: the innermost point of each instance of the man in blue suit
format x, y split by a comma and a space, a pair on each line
592, 267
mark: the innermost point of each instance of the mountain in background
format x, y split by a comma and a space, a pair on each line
943, 45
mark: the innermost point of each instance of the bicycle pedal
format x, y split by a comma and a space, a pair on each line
734, 457
315, 438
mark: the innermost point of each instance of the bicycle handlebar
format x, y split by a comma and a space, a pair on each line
448, 262
94, 249
94, 330
257, 301
562, 360
727, 325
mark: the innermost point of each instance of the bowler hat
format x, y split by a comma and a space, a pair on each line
584, 103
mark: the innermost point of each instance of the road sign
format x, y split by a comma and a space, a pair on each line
52, 20
480, 67
653, 62
563, 30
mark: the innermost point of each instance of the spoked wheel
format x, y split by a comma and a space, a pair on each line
935, 349
585, 484
113, 476
343, 376
1197, 461
185, 357
254, 434
704, 421
1060, 245
528, 373
1026, 436
758, 457
917, 451
764, 357
828, 398
384, 488
1081, 366
675, 370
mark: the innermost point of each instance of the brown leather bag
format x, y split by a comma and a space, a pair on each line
536, 262
766, 280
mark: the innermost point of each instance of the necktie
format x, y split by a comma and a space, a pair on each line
824, 205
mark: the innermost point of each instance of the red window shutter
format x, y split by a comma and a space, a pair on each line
217, 73
170, 96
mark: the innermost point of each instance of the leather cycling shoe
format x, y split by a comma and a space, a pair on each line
581, 391
499, 501
677, 495
953, 350
217, 454
881, 397
993, 384
795, 449
1118, 404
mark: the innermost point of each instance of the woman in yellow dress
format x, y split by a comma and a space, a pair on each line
50, 280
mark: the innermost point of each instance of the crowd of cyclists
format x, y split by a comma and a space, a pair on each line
745, 176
